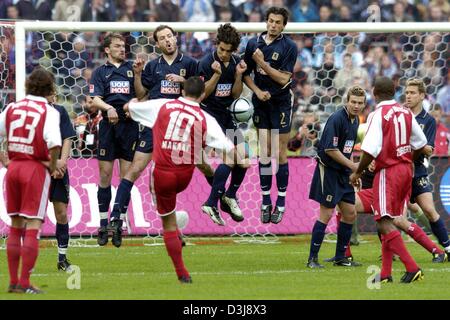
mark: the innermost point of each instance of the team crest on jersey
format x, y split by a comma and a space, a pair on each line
348, 147
335, 141
130, 74
119, 87
223, 89
183, 72
91, 88
422, 126
275, 56
169, 87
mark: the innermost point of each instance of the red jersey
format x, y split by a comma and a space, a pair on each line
392, 134
441, 140
181, 129
31, 127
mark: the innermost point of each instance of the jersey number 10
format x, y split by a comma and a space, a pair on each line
174, 131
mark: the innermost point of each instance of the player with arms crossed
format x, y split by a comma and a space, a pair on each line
393, 139
31, 130
421, 187
111, 87
181, 130
271, 56
330, 184
222, 72
160, 78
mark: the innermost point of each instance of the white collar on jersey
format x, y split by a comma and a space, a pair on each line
36, 98
189, 102
386, 102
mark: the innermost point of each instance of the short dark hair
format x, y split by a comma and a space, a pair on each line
108, 39
278, 10
229, 35
194, 87
356, 91
159, 28
40, 83
384, 88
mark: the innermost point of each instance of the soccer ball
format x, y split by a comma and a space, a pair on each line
241, 110
182, 219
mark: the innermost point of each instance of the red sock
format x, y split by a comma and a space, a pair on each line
397, 246
173, 247
421, 238
30, 251
13, 249
348, 251
386, 259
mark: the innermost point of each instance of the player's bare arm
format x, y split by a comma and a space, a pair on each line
339, 157
211, 83
280, 77
366, 161
138, 67
262, 95
237, 86
110, 110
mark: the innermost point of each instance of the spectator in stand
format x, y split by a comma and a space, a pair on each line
442, 139
99, 10
325, 14
305, 11
167, 11
198, 11
399, 14
220, 5
34, 10
345, 14
3, 8
436, 15
86, 126
443, 96
68, 10
387, 67
12, 13
130, 8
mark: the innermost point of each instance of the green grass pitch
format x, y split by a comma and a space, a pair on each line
226, 269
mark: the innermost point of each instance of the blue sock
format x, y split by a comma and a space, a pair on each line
122, 199
237, 176
282, 183
265, 179
220, 179
317, 235
210, 180
343, 238
104, 199
440, 231
62, 237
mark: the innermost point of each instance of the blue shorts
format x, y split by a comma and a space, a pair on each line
145, 142
275, 113
117, 141
329, 187
60, 189
420, 185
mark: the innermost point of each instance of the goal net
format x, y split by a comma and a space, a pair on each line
331, 58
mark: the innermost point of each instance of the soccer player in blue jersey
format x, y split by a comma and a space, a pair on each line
330, 185
271, 56
111, 87
222, 72
160, 78
421, 187
60, 185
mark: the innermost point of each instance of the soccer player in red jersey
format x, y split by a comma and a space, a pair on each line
31, 129
181, 130
392, 137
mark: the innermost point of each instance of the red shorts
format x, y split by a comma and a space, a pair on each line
366, 198
165, 184
27, 185
392, 190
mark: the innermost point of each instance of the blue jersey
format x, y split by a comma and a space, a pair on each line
221, 98
339, 134
114, 85
65, 125
428, 126
281, 54
154, 76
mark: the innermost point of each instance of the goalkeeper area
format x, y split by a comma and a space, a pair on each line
246, 260
224, 269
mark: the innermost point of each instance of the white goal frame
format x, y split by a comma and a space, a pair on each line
293, 27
